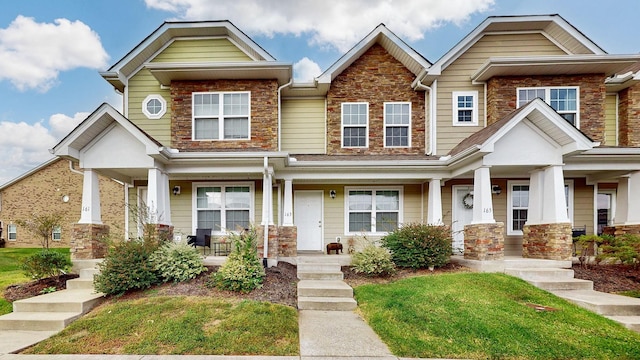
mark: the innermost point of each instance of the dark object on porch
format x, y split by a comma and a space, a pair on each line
201, 238
221, 248
334, 246
577, 231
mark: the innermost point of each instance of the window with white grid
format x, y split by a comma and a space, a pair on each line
564, 100
221, 115
355, 125
397, 124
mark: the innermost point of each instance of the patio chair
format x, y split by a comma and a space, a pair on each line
201, 238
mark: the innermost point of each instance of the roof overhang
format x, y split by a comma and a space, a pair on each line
167, 72
609, 65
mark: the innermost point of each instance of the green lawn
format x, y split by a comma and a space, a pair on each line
486, 316
10, 272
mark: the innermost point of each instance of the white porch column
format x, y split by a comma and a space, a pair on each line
159, 211
482, 201
267, 189
536, 189
287, 216
434, 203
628, 200
90, 213
554, 202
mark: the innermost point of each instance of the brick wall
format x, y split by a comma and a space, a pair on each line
376, 77
42, 193
502, 97
629, 117
264, 115
484, 241
547, 241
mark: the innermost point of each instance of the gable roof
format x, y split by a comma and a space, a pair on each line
28, 173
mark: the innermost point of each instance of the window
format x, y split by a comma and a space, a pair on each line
355, 125
223, 207
465, 108
221, 116
56, 235
606, 202
154, 106
12, 232
564, 100
373, 211
397, 124
518, 205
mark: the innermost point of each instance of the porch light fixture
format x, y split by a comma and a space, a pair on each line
176, 190
496, 189
332, 194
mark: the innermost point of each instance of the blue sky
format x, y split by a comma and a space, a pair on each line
51, 51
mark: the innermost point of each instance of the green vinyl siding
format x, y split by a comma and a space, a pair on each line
303, 126
207, 50
140, 86
610, 120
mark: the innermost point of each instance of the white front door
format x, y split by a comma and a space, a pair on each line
307, 216
462, 215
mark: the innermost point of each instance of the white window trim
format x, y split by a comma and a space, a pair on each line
59, 232
194, 204
474, 110
146, 112
400, 191
221, 116
9, 232
547, 99
342, 126
408, 126
511, 183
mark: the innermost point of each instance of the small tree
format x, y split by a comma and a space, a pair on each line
42, 225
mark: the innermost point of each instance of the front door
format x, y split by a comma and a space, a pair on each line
462, 215
307, 216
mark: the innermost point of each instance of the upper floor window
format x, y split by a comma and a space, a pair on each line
221, 116
154, 106
355, 125
373, 211
57, 233
12, 232
397, 124
563, 100
465, 108
223, 207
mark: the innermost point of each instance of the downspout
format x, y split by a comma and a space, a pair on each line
280, 113
265, 251
432, 128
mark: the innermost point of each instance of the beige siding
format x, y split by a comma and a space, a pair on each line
583, 205
141, 85
456, 77
567, 40
208, 50
611, 120
303, 126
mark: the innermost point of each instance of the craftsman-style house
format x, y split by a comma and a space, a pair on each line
521, 133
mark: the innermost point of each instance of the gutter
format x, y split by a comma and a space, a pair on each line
420, 86
280, 113
265, 245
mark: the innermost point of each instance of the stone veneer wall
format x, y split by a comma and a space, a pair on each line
484, 241
547, 241
502, 98
376, 77
283, 241
263, 122
88, 241
618, 230
629, 117
161, 232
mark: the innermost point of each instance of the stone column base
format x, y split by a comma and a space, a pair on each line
283, 241
484, 241
618, 230
160, 232
547, 241
88, 241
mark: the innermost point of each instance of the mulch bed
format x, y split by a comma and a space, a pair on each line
610, 278
33, 288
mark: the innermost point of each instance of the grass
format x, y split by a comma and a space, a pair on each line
631, 293
486, 316
10, 261
180, 325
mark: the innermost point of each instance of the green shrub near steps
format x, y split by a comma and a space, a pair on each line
242, 271
46, 263
373, 261
177, 262
418, 246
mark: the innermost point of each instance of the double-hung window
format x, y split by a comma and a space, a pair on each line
56, 234
465, 108
221, 115
564, 100
518, 205
12, 232
397, 124
355, 125
223, 207
373, 211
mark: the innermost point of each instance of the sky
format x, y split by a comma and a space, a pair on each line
51, 52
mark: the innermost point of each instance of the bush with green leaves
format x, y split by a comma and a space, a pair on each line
127, 267
623, 248
177, 262
417, 246
373, 261
242, 271
46, 263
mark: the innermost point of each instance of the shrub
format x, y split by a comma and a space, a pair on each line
624, 248
177, 262
416, 245
46, 263
373, 261
127, 267
242, 271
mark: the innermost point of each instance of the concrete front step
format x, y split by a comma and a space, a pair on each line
80, 283
326, 303
313, 267
37, 321
540, 273
519, 263
343, 260
630, 322
324, 288
88, 273
602, 303
320, 275
569, 284
80, 301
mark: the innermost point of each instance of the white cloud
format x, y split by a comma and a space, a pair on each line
33, 54
336, 23
61, 124
305, 70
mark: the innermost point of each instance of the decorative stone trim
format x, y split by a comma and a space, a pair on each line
88, 241
283, 241
547, 241
484, 241
618, 230
161, 232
